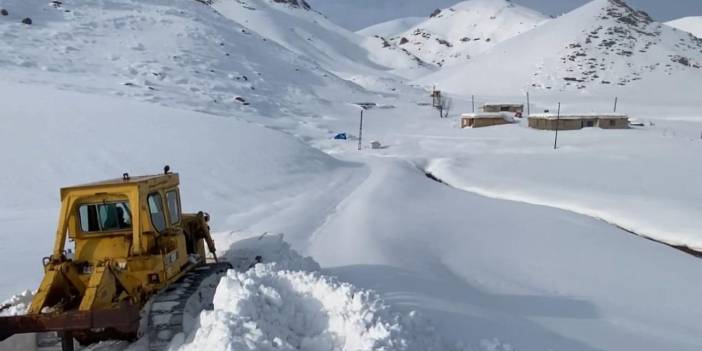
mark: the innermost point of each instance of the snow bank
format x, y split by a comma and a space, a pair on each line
271, 309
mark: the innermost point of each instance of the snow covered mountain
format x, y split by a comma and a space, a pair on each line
691, 24
456, 34
603, 44
309, 33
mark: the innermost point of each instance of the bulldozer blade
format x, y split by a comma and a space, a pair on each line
124, 320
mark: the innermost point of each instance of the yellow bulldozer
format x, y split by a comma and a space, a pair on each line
139, 266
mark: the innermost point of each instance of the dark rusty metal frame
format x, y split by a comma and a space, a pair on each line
124, 320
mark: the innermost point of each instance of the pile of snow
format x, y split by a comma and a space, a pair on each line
282, 301
267, 308
598, 48
17, 304
462, 31
692, 25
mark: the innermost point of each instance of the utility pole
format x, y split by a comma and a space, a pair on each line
616, 100
558, 119
528, 105
472, 98
360, 132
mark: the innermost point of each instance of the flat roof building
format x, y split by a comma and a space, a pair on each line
503, 107
485, 119
550, 121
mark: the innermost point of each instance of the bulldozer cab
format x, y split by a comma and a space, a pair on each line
119, 218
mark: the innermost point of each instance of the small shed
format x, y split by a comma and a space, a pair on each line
503, 107
478, 120
550, 121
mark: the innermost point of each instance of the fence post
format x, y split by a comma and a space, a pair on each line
558, 120
360, 132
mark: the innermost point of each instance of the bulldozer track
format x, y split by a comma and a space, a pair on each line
181, 302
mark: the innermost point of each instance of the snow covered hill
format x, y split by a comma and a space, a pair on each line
391, 28
308, 33
601, 45
176, 53
691, 24
455, 34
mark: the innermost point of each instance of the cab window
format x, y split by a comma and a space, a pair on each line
105, 217
158, 219
173, 206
